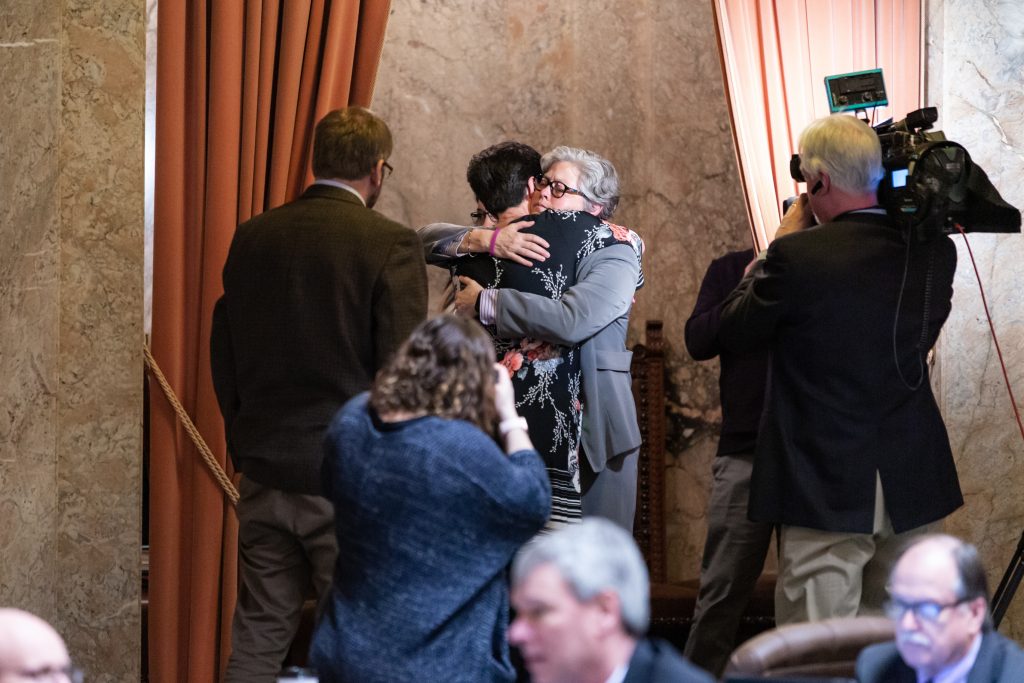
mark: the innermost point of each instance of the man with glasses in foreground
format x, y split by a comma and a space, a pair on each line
31, 650
938, 601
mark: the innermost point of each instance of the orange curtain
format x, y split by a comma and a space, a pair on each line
239, 89
776, 55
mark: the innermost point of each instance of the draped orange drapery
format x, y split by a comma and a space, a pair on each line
240, 86
776, 55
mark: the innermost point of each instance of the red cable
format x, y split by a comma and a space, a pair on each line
992, 328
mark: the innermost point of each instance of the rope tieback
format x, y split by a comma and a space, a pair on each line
215, 469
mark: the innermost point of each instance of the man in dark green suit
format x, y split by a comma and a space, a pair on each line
317, 294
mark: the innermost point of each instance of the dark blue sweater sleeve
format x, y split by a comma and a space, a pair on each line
721, 277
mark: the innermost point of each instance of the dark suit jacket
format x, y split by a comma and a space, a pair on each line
839, 406
1000, 660
318, 293
741, 382
655, 661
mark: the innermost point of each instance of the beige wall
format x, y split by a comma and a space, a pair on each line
975, 67
70, 322
639, 82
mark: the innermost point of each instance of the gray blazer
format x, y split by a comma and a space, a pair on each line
594, 313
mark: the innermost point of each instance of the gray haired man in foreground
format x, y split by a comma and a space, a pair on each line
581, 597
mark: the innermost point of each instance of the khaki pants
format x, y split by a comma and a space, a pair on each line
286, 548
825, 574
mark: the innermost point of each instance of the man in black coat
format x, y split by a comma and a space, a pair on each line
852, 453
317, 295
939, 604
581, 598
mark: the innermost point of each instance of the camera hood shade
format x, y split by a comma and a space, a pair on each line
984, 210
937, 186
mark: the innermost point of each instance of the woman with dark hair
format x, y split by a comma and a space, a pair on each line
429, 511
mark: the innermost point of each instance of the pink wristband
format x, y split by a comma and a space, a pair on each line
494, 238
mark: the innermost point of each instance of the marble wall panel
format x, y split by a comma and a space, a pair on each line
29, 301
70, 323
100, 408
637, 81
976, 78
29, 21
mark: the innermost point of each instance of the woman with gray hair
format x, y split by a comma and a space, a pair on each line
575, 179
574, 305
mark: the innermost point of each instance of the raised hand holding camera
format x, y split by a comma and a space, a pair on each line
798, 217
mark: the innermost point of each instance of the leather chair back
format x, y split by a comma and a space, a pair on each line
813, 649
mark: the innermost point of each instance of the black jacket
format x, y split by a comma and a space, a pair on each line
848, 395
741, 382
655, 661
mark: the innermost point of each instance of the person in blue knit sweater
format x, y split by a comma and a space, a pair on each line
435, 485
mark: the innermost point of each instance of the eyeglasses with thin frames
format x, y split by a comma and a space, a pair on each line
388, 170
925, 610
558, 188
478, 216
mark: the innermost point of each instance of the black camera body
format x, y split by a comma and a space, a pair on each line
931, 186
925, 182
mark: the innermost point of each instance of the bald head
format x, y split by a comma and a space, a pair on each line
950, 558
29, 644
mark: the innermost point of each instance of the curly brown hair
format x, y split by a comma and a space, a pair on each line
445, 368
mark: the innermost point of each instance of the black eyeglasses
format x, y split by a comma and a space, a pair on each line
558, 188
926, 610
478, 216
53, 673
388, 170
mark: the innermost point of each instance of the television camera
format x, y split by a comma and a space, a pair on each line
930, 185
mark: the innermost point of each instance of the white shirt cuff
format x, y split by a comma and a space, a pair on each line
488, 306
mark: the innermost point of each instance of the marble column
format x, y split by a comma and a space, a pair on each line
71, 203
975, 51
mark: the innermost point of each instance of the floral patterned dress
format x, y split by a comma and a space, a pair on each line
547, 376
